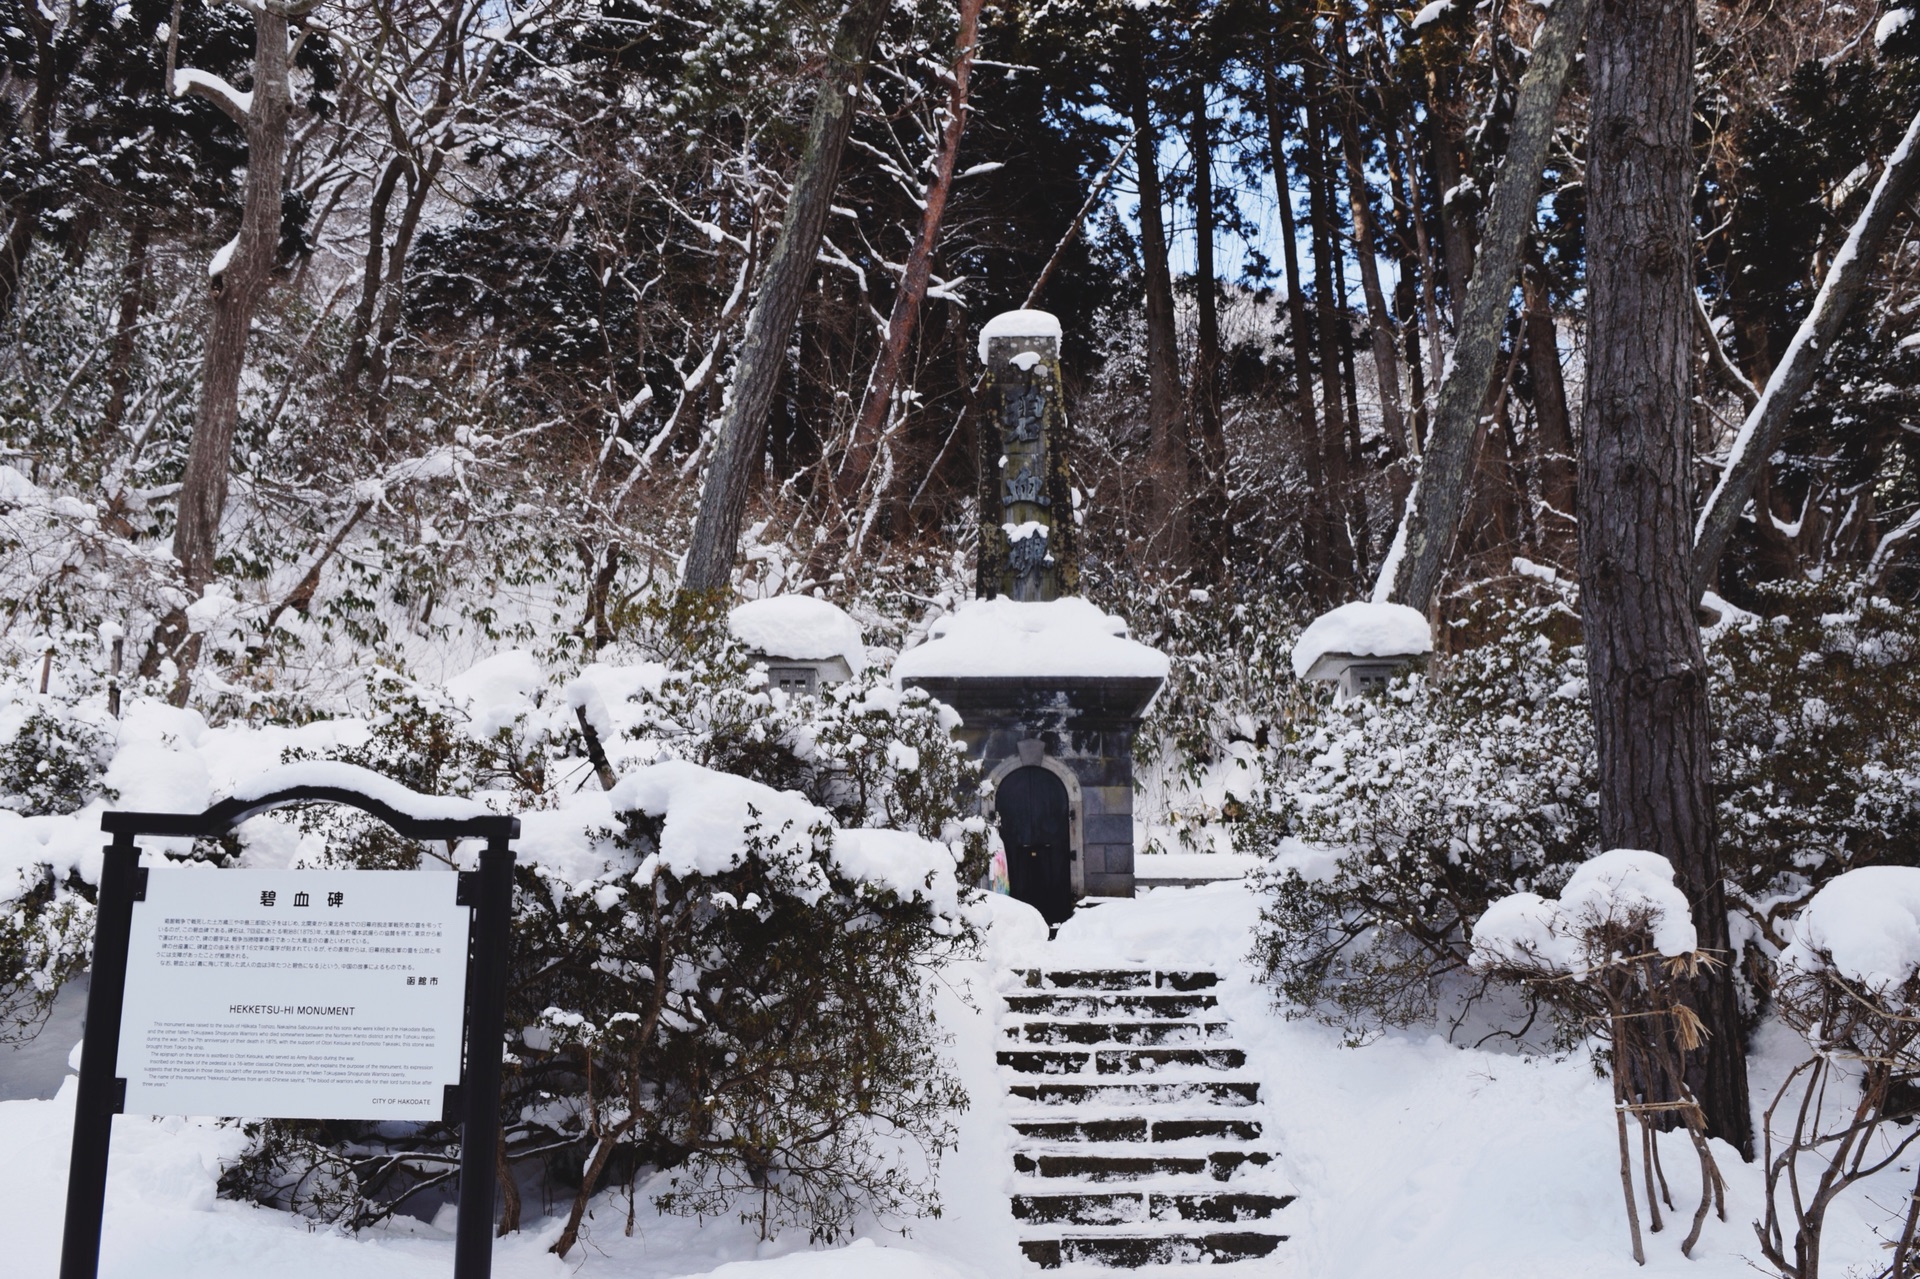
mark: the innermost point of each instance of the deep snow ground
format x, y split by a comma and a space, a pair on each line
1410, 1156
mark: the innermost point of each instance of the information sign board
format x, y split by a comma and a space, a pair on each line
297, 994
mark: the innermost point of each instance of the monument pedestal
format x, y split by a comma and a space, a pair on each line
1082, 731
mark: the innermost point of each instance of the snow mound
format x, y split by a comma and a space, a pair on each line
1891, 24
1060, 638
1430, 13
498, 691
1865, 922
1615, 887
332, 772
912, 867
800, 627
1363, 629
1019, 324
710, 820
707, 815
602, 693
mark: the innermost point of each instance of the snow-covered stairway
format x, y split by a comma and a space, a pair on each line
1138, 1139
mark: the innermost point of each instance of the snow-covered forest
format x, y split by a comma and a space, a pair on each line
1124, 633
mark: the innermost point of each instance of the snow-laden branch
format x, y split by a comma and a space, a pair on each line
1760, 432
191, 82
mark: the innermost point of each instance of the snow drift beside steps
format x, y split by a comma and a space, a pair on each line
1006, 638
1363, 629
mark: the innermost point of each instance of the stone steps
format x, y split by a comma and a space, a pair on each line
1136, 1146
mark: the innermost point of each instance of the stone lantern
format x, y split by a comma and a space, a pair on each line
806, 643
1359, 647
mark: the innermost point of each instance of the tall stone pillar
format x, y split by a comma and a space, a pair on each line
1027, 534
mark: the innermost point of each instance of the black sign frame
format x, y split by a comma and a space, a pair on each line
102, 1095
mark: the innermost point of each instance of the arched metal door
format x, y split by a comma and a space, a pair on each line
1035, 827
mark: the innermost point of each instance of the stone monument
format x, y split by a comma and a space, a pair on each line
1051, 691
1027, 537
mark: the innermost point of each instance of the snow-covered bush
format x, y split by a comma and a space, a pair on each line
1817, 708
1447, 792
1616, 955
1422, 805
1229, 698
746, 1005
720, 966
1849, 982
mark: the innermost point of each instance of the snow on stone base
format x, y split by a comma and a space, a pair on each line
1064, 638
1363, 629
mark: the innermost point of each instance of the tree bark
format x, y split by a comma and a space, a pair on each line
1297, 320
1212, 503
1759, 434
1386, 363
1456, 226
1550, 413
903, 320
1166, 418
46, 83
133, 289
1646, 671
743, 429
1446, 466
236, 291
1330, 314
361, 325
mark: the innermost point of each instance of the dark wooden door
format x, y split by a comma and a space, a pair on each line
1034, 826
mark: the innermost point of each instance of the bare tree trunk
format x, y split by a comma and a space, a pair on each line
1446, 466
362, 323
1759, 434
419, 188
1550, 414
1211, 533
237, 290
1166, 420
1309, 423
1456, 225
905, 316
1330, 312
1386, 363
743, 429
46, 83
1646, 672
133, 290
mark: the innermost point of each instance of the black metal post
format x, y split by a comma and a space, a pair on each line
100, 1098
480, 1082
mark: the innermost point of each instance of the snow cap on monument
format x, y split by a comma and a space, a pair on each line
1021, 324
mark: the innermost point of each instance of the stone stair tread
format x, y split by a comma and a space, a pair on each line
1062, 1004
1137, 1250
1137, 1127
1222, 1092
1220, 1165
1134, 1141
1089, 979
1109, 1034
1130, 1207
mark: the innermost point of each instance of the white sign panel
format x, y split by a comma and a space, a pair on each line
295, 994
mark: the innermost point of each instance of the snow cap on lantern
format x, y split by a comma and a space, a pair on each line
1360, 645
805, 642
